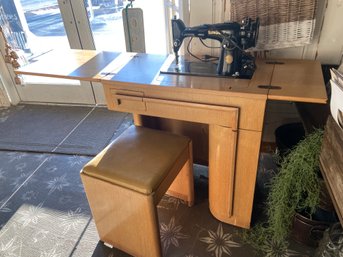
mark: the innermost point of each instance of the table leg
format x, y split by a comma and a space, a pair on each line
222, 158
233, 161
137, 119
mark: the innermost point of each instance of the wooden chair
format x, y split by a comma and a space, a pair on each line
125, 182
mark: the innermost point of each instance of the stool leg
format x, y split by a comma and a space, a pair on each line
183, 185
137, 119
124, 218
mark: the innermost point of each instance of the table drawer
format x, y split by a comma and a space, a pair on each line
134, 102
128, 101
194, 112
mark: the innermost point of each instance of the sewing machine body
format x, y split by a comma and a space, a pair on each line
234, 39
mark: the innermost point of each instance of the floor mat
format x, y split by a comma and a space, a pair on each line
37, 127
61, 129
95, 132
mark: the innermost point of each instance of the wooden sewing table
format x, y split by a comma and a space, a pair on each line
231, 109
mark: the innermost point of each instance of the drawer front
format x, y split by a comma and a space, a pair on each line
135, 102
127, 101
201, 113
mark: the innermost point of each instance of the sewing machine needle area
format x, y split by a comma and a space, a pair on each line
187, 66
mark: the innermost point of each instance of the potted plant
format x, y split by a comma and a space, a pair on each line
296, 188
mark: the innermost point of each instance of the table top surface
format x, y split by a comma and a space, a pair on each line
286, 80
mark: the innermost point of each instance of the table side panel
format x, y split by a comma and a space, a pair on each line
247, 155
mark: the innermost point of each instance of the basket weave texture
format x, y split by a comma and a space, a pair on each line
283, 23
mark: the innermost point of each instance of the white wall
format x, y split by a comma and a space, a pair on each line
330, 47
327, 46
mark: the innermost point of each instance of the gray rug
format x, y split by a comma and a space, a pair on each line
59, 129
95, 132
46, 213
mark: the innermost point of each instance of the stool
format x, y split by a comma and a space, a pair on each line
125, 182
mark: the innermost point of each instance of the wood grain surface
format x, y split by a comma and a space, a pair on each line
297, 80
300, 81
331, 161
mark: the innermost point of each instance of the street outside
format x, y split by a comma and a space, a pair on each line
44, 18
44, 29
46, 26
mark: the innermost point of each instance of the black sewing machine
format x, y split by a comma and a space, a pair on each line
234, 39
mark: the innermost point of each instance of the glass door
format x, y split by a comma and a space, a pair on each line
36, 27
107, 29
106, 22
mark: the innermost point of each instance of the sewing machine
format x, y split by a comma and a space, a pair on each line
235, 38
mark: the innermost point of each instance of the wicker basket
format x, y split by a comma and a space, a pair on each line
283, 23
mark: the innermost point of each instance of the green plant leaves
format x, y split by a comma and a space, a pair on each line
295, 188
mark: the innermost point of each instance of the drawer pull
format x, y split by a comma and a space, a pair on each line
118, 101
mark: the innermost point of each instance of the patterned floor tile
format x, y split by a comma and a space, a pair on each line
49, 216
15, 169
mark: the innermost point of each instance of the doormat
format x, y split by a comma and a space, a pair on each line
97, 130
59, 129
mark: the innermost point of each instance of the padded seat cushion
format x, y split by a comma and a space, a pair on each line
139, 159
